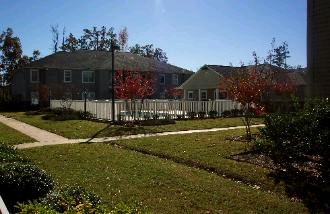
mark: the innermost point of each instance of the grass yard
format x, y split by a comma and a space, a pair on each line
12, 137
161, 173
87, 129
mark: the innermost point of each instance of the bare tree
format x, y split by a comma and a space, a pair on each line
123, 38
55, 37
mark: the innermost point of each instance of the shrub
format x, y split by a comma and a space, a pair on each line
72, 198
191, 114
62, 114
155, 116
232, 113
9, 154
213, 114
75, 200
201, 114
294, 137
298, 143
20, 182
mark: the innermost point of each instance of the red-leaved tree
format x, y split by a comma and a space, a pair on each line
173, 92
131, 85
246, 86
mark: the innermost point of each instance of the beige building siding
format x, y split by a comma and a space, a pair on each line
203, 79
318, 47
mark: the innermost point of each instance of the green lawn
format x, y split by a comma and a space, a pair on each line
88, 129
161, 173
12, 137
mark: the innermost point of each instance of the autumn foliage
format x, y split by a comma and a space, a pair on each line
248, 85
173, 92
133, 85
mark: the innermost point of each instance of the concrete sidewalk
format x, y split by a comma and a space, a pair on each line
38, 134
45, 138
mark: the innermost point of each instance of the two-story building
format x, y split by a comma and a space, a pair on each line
71, 74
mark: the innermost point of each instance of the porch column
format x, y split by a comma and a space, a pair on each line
185, 94
216, 93
199, 94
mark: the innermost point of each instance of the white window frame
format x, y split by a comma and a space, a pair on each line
65, 75
32, 71
162, 79
82, 76
175, 79
205, 93
190, 95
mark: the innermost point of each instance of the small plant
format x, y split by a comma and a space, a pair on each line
213, 114
191, 114
75, 200
201, 114
180, 117
8, 155
155, 116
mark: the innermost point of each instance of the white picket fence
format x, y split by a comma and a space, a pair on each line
128, 110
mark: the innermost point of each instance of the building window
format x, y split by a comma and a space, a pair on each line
67, 76
34, 98
88, 77
175, 79
203, 95
34, 75
162, 79
190, 95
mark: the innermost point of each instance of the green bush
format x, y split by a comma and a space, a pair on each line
295, 137
213, 114
21, 182
34, 207
62, 114
191, 114
299, 145
9, 154
72, 198
201, 114
75, 200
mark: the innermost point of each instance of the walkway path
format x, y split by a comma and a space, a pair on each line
45, 138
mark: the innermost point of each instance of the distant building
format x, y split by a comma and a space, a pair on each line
70, 75
318, 47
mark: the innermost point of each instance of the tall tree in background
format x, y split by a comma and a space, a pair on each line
123, 39
92, 39
55, 37
278, 55
150, 52
10, 57
70, 44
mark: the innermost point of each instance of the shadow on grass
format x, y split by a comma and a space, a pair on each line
117, 130
313, 191
303, 184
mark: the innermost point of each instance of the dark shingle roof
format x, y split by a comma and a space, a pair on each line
224, 71
101, 60
295, 76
